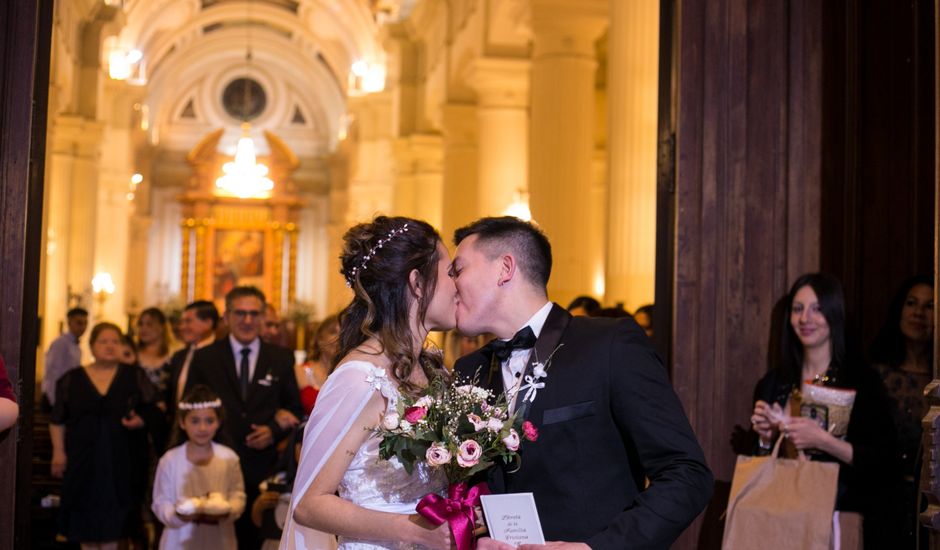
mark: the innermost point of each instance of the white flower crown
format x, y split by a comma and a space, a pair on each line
215, 404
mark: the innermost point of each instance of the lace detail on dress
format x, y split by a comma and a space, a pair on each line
384, 485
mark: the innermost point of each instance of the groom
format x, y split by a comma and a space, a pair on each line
616, 464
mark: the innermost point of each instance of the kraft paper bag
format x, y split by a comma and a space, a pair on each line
780, 503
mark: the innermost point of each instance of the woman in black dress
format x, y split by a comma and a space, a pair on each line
99, 432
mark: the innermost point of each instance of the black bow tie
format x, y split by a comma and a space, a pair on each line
502, 349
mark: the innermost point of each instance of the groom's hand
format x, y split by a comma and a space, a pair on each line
556, 545
486, 543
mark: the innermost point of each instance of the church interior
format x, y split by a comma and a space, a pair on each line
694, 155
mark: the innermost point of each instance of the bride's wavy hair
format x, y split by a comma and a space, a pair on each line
377, 260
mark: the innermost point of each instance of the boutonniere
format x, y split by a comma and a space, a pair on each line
267, 380
536, 381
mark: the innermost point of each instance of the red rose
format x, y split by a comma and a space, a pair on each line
414, 414
530, 431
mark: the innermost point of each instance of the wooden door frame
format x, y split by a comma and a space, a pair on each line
25, 40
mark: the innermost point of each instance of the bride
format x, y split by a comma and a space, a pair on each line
397, 268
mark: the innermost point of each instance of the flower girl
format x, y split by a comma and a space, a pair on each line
198, 491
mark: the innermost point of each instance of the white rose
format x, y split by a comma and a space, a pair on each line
480, 393
405, 426
494, 425
465, 389
539, 370
425, 402
390, 421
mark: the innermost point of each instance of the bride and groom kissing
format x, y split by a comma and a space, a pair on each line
615, 465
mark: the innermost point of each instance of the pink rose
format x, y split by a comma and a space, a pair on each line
437, 454
414, 414
469, 453
530, 431
478, 423
512, 440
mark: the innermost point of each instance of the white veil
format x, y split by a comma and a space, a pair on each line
340, 402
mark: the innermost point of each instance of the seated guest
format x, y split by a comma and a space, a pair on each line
813, 350
265, 511
153, 346
9, 410
584, 306
99, 427
198, 324
903, 355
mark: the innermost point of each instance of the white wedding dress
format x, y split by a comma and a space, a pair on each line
370, 482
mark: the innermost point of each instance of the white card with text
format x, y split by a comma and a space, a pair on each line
513, 518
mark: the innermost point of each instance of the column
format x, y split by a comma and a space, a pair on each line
460, 168
502, 86
632, 84
561, 133
371, 184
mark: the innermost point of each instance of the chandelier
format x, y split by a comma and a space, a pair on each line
244, 177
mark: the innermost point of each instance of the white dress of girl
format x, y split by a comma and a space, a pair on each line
370, 482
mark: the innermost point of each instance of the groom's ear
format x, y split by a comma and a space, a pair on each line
507, 269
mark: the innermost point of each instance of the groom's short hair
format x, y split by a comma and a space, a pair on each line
521, 238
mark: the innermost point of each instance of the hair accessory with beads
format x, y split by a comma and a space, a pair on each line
351, 276
215, 404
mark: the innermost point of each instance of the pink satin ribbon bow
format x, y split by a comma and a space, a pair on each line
456, 510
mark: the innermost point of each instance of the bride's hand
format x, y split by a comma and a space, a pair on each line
438, 538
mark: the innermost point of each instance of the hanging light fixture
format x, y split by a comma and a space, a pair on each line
244, 177
520, 206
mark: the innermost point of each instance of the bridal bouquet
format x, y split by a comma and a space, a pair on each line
453, 427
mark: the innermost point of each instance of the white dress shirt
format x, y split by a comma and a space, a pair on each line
515, 365
255, 347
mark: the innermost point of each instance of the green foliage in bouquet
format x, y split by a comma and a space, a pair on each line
453, 427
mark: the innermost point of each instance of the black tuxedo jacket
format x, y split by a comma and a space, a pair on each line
608, 419
173, 367
272, 387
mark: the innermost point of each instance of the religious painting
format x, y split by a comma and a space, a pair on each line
238, 260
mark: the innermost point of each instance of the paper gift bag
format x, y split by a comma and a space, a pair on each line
780, 503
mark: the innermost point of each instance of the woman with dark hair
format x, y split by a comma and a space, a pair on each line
99, 424
903, 355
397, 269
813, 351
153, 346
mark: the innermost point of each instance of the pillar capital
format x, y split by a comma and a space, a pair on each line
75, 135
500, 81
567, 27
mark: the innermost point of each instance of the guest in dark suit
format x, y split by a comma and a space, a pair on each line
254, 380
607, 416
197, 330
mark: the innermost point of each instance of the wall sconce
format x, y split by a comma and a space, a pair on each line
103, 286
123, 64
366, 78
